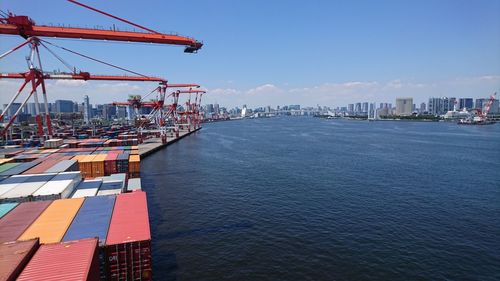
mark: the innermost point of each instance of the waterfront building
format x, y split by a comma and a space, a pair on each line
404, 106
357, 108
350, 108
448, 104
422, 107
364, 107
435, 106
466, 103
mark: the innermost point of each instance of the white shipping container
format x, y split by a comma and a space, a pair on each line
117, 177
86, 192
24, 191
109, 192
134, 184
10, 183
60, 187
87, 188
53, 143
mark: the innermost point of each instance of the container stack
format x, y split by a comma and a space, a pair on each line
103, 237
73, 213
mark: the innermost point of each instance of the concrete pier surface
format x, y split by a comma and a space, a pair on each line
150, 146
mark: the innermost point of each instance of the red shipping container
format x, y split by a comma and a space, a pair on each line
72, 260
14, 256
128, 244
110, 163
13, 224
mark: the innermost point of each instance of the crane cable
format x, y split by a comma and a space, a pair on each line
71, 68
94, 59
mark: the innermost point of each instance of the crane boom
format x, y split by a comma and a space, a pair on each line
30, 30
84, 76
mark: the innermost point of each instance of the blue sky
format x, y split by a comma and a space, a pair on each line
284, 52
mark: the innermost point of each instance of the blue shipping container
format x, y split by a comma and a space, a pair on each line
6, 207
92, 220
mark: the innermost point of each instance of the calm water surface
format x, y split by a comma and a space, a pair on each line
314, 199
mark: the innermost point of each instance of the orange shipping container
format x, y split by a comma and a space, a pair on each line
134, 164
86, 165
52, 224
98, 165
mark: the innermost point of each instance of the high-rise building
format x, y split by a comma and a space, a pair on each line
434, 106
422, 107
448, 104
64, 106
12, 110
466, 103
210, 108
357, 108
216, 108
121, 112
350, 108
30, 108
364, 107
404, 106
87, 110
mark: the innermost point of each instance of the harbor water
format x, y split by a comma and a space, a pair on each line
301, 198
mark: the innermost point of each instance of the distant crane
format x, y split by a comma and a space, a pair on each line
160, 113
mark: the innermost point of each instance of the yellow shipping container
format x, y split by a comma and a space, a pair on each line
5, 160
53, 223
98, 165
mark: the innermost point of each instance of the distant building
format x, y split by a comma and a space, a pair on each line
364, 107
350, 108
422, 107
435, 106
448, 104
404, 106
87, 110
12, 111
481, 103
466, 103
357, 108
121, 112
64, 106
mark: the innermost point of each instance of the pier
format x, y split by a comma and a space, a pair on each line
152, 145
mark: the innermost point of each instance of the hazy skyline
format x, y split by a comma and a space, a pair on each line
283, 52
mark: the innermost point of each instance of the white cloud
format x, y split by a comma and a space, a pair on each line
330, 93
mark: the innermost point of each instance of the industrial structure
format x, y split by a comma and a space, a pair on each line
25, 27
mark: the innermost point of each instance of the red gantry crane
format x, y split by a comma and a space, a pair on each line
24, 26
155, 122
190, 118
11, 24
